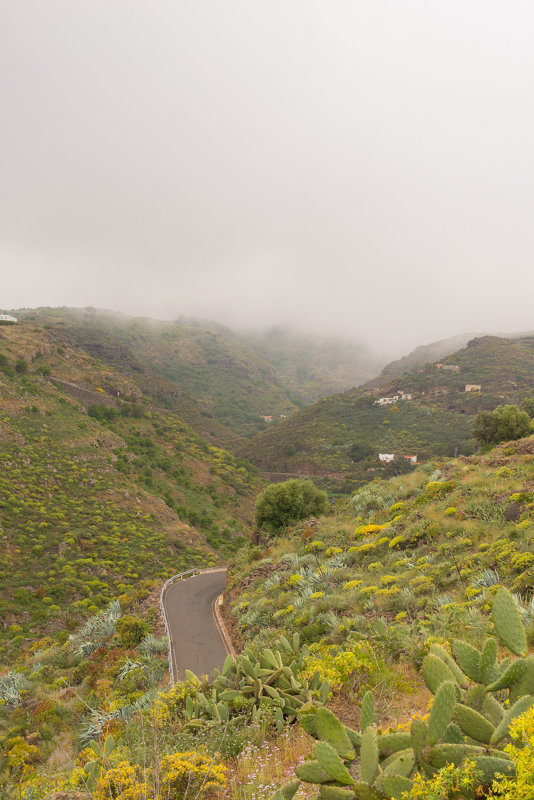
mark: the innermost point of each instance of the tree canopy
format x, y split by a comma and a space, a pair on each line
282, 503
504, 424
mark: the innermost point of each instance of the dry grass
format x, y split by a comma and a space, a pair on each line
260, 770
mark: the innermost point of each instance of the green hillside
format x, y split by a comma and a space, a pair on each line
341, 436
93, 506
213, 380
422, 552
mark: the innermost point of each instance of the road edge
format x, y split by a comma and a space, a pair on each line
221, 626
192, 573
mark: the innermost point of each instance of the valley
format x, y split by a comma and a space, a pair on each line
131, 451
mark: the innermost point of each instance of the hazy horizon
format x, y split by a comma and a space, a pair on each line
351, 169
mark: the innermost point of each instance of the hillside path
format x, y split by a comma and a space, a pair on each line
196, 639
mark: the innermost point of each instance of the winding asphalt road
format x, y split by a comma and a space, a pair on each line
196, 639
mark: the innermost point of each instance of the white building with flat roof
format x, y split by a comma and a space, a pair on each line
7, 318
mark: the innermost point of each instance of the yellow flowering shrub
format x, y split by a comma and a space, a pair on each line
365, 591
521, 787
293, 580
125, 781
189, 774
172, 701
366, 530
347, 587
367, 547
179, 775
333, 551
388, 591
450, 783
339, 667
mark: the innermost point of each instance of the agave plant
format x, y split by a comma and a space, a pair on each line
128, 667
11, 686
96, 630
150, 644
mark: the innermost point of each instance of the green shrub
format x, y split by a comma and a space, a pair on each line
282, 503
131, 630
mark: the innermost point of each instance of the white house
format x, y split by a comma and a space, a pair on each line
387, 458
473, 387
7, 318
387, 401
405, 395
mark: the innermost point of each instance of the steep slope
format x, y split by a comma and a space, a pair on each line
423, 551
93, 505
344, 434
424, 354
206, 375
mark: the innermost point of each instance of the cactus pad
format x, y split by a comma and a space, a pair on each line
369, 756
394, 786
329, 729
441, 712
367, 711
508, 625
435, 672
332, 764
286, 792
468, 659
440, 652
520, 706
335, 793
472, 723
312, 772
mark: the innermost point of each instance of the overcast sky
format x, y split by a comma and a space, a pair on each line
364, 167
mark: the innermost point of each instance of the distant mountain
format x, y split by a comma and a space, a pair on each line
312, 367
424, 354
341, 436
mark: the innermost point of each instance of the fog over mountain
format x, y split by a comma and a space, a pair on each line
363, 169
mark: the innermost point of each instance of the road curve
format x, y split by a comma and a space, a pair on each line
196, 640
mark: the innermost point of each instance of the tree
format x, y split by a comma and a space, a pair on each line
528, 405
504, 424
360, 450
484, 428
282, 503
512, 423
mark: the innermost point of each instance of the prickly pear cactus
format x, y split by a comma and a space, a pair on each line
476, 697
261, 685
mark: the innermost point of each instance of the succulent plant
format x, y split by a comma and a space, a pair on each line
476, 697
259, 683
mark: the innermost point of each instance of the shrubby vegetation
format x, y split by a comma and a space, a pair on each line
476, 700
506, 423
341, 436
282, 503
